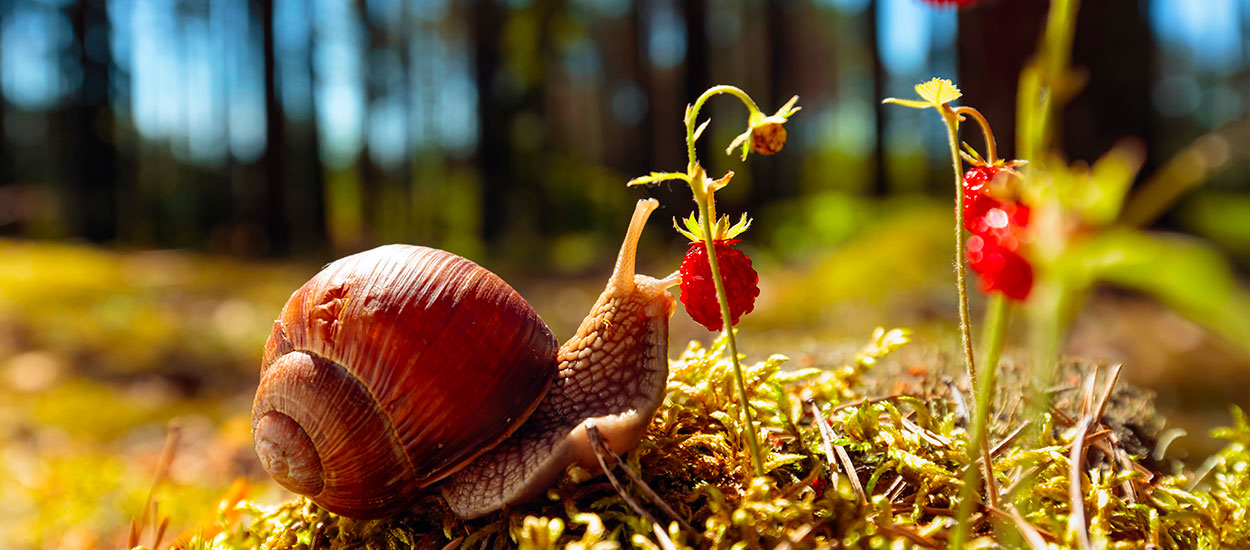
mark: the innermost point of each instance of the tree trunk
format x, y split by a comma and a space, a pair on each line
92, 185
880, 185
1115, 102
493, 151
697, 70
275, 212
642, 160
995, 40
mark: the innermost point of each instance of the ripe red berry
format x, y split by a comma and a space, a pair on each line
997, 228
977, 199
1003, 223
999, 268
698, 292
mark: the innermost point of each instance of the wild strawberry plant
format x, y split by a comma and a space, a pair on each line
733, 284
1044, 235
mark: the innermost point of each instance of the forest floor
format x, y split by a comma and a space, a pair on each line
105, 354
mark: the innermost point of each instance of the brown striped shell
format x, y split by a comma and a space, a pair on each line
391, 369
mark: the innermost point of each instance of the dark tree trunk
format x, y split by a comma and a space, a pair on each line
770, 179
92, 185
880, 185
407, 184
308, 208
642, 160
493, 151
995, 41
1115, 102
10, 216
275, 212
376, 221
697, 70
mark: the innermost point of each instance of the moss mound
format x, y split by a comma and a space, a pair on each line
905, 443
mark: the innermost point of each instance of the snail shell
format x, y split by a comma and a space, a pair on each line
389, 370
402, 366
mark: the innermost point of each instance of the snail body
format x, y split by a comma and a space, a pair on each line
405, 369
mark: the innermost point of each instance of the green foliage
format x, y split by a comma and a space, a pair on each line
1186, 275
1079, 246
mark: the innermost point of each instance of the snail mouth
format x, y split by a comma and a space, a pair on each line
288, 454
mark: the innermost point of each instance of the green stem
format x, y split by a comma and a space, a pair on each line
979, 437
693, 115
703, 199
991, 147
965, 326
996, 317
726, 317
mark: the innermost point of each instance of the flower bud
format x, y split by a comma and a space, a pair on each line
768, 137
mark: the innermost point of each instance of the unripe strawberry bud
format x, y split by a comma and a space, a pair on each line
768, 138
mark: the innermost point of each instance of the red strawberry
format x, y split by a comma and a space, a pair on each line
1003, 223
698, 292
1001, 269
977, 198
997, 227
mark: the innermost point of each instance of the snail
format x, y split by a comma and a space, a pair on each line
403, 370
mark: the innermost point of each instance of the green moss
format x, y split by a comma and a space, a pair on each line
907, 452
122, 314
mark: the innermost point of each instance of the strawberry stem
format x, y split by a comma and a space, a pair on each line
979, 439
727, 319
692, 115
991, 148
703, 198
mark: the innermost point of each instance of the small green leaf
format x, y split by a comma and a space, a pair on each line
744, 141
692, 230
658, 177
938, 91
739, 228
788, 110
907, 103
1109, 181
699, 131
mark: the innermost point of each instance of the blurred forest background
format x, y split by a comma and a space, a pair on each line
170, 170
506, 128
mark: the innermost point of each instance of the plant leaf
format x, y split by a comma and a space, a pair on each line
658, 177
938, 91
777, 460
1185, 274
1109, 181
699, 131
907, 103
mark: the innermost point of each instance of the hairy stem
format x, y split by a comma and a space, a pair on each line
978, 439
991, 148
707, 211
692, 115
961, 283
996, 316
